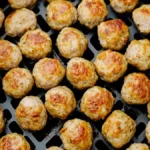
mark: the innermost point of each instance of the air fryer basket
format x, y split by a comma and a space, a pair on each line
49, 136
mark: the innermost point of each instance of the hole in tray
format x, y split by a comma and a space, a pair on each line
132, 113
35, 91
107, 2
42, 23
127, 145
7, 114
4, 3
2, 96
2, 32
55, 141
118, 105
140, 128
36, 10
30, 142
84, 29
125, 18
138, 36
95, 42
88, 54
99, 124
10, 39
40, 135
15, 103
14, 127
46, 3
8, 11
101, 145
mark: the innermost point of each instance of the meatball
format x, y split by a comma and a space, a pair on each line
113, 34
60, 102
61, 14
31, 113
76, 134
48, 73
35, 44
10, 55
2, 17
2, 122
97, 103
136, 89
18, 82
71, 43
14, 141
110, 65
141, 18
138, 54
92, 12
81, 73
20, 21
54, 148
118, 129
122, 6
138, 146
17, 4
148, 132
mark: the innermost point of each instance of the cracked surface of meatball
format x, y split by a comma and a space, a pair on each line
81, 73
92, 12
76, 134
10, 55
17, 82
61, 14
35, 44
20, 21
136, 89
113, 34
118, 129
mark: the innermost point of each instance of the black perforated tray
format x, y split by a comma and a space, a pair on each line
50, 134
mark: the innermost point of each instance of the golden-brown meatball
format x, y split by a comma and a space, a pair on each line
141, 17
122, 6
31, 113
81, 73
92, 12
97, 103
138, 146
17, 4
10, 55
71, 42
18, 82
110, 65
138, 54
113, 34
48, 73
20, 21
35, 44
54, 148
76, 134
60, 102
2, 122
61, 14
118, 129
136, 89
2, 17
148, 132
14, 141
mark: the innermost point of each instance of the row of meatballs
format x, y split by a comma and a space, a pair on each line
62, 14
77, 134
